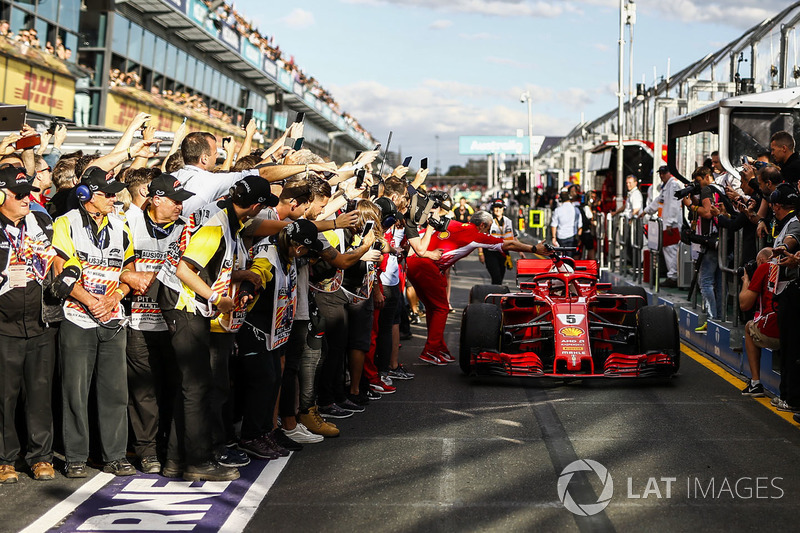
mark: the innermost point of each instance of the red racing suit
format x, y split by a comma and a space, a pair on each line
427, 276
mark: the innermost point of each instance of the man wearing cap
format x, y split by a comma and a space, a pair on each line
670, 211
95, 251
199, 151
501, 227
27, 344
154, 229
196, 287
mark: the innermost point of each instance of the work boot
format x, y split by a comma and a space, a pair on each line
315, 424
8, 474
43, 471
210, 471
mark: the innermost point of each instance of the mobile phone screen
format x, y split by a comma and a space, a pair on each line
368, 225
300, 116
360, 178
423, 163
407, 161
298, 144
358, 154
248, 115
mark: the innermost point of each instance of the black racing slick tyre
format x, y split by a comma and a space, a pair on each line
478, 293
481, 329
658, 331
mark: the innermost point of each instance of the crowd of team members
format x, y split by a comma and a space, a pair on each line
153, 292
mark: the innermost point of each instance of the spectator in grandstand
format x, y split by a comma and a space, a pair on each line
784, 283
567, 224
458, 241
195, 288
155, 225
95, 251
781, 146
463, 211
669, 209
762, 331
496, 261
27, 344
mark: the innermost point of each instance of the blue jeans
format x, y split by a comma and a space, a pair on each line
710, 280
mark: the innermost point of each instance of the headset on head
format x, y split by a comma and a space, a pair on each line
83, 193
2, 197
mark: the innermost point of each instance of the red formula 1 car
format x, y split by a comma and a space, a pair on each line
563, 323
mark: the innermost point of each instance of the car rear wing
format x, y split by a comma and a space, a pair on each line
528, 269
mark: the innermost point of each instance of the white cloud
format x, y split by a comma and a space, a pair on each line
600, 46
440, 24
506, 61
298, 19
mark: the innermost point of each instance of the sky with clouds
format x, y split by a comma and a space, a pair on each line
457, 67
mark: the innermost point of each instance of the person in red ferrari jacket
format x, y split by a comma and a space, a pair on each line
456, 240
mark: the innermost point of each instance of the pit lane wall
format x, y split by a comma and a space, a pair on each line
716, 342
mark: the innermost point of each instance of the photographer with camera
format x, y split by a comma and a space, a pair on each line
762, 331
704, 240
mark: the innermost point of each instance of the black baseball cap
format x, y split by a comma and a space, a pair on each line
784, 194
16, 181
663, 169
168, 186
99, 180
304, 232
498, 203
254, 190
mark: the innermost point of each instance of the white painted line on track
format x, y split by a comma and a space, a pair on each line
55, 515
255, 494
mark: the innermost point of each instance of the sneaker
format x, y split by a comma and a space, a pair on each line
151, 464
301, 434
372, 395
348, 405
386, 378
258, 448
231, 458
287, 443
431, 359
753, 390
210, 471
382, 388
120, 467
76, 469
8, 474
400, 373
332, 411
414, 319
775, 401
783, 406
702, 329
43, 471
358, 399
317, 425
172, 469
446, 357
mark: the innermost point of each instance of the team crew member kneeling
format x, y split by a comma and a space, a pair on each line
456, 241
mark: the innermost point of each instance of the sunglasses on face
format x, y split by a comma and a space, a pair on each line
107, 194
20, 196
48, 169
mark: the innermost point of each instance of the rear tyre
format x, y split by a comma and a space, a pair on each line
481, 329
658, 331
478, 293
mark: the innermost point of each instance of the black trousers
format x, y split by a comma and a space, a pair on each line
190, 435
496, 265
26, 369
788, 318
260, 380
383, 342
149, 355
221, 349
291, 368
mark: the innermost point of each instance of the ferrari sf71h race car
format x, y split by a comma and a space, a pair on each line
563, 323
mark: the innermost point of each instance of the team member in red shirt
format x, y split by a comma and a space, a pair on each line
456, 240
762, 331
